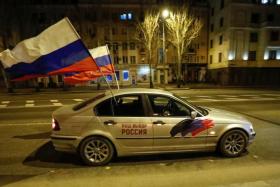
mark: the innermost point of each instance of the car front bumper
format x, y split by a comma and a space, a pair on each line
252, 137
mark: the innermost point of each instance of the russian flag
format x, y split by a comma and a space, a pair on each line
102, 58
57, 50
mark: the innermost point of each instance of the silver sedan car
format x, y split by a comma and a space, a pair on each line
146, 121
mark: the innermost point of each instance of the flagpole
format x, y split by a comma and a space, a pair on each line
73, 28
113, 68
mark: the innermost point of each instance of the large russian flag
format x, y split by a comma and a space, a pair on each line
102, 58
57, 50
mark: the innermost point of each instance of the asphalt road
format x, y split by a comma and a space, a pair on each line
27, 157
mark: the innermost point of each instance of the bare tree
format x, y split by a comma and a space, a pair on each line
182, 27
148, 30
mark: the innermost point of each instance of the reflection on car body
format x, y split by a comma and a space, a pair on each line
146, 121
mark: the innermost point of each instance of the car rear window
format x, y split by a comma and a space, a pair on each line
87, 102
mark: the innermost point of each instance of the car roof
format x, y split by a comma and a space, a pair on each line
137, 91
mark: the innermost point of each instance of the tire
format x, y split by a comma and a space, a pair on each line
96, 151
233, 143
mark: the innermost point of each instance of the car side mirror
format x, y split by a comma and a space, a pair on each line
193, 114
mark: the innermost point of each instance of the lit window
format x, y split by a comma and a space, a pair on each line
129, 16
123, 17
109, 78
278, 2
125, 75
126, 16
264, 1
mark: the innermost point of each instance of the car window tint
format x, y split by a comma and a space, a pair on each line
130, 105
160, 104
87, 102
104, 108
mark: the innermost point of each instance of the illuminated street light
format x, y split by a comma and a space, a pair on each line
165, 13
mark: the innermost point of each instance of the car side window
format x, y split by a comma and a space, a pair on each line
104, 108
129, 105
166, 106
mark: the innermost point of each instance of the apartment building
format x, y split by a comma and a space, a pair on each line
111, 22
244, 42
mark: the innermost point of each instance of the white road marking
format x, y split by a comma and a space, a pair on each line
80, 100
57, 104
227, 95
27, 124
203, 96
249, 95
29, 105
5, 102
257, 98
29, 101
3, 106
210, 99
54, 101
230, 98
276, 95
263, 99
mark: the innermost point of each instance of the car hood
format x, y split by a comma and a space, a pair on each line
224, 116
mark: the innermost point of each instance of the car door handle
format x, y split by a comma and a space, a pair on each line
159, 122
110, 122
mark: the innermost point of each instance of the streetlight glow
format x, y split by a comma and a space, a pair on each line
165, 13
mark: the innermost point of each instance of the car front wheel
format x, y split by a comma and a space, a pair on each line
96, 151
233, 143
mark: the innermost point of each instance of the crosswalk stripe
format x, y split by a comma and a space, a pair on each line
5, 102
3, 106
54, 101
78, 100
29, 105
29, 101
57, 104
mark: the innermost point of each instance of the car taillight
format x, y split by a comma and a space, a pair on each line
55, 125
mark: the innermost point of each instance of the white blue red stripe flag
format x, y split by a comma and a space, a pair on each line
57, 50
102, 58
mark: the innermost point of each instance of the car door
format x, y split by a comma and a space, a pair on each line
127, 122
174, 129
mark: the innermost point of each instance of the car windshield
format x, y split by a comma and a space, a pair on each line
87, 102
198, 108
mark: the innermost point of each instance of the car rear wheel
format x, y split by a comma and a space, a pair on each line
96, 151
233, 143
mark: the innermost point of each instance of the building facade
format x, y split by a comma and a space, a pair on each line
111, 22
244, 42
239, 43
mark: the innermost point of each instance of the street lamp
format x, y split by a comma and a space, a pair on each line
164, 14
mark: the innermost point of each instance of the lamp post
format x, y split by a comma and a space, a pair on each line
164, 14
